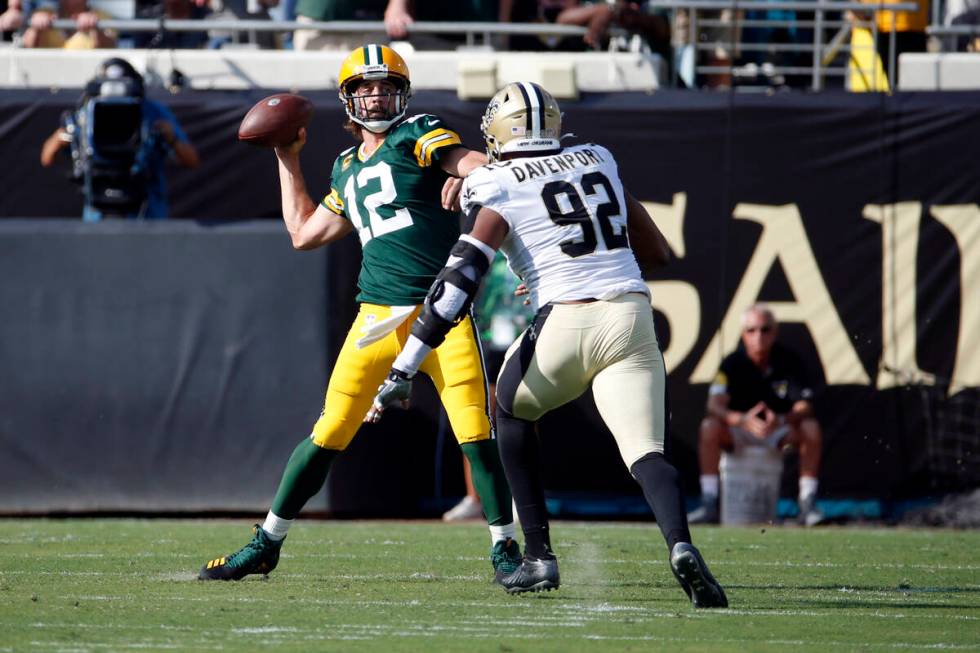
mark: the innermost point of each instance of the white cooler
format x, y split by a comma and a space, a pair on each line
750, 480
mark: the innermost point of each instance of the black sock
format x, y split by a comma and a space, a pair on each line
521, 456
662, 489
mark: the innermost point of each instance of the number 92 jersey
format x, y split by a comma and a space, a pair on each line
567, 218
393, 199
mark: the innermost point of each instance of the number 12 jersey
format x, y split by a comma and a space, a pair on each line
393, 200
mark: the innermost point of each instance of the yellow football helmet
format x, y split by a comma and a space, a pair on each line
521, 117
369, 63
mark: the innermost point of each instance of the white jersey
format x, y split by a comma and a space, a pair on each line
567, 217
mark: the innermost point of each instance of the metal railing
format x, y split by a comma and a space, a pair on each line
830, 34
950, 38
470, 30
953, 30
821, 50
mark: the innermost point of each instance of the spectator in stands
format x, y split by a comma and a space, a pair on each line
87, 35
909, 28
401, 14
11, 18
114, 185
724, 37
760, 397
653, 26
968, 17
243, 10
310, 11
285, 11
177, 10
955, 8
736, 36
598, 16
398, 17
541, 11
783, 33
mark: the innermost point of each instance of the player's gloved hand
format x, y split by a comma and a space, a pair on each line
396, 389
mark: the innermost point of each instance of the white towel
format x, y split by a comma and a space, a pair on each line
374, 331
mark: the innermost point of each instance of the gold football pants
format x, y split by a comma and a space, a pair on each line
455, 367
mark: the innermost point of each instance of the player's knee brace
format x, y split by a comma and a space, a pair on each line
451, 295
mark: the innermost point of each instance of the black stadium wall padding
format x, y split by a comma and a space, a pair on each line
142, 361
172, 366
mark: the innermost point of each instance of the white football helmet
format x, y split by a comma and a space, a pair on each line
521, 117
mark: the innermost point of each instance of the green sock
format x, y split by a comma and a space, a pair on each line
489, 481
305, 474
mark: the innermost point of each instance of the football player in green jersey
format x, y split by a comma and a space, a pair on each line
387, 189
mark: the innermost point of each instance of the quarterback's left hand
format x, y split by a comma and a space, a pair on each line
396, 388
450, 193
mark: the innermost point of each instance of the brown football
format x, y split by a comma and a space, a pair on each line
275, 120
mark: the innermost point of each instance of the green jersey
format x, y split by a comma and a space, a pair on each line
500, 314
342, 9
393, 200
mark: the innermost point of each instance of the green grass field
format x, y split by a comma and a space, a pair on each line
123, 585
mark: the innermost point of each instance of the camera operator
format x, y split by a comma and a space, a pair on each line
119, 141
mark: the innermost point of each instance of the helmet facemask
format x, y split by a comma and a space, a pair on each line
487, 129
356, 105
372, 63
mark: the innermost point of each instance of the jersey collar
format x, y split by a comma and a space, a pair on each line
360, 151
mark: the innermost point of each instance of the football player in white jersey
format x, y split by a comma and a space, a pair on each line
564, 221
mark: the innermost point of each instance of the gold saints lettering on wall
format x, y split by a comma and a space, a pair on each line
784, 240
899, 244
678, 301
963, 221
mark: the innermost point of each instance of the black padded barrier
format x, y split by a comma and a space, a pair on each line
173, 366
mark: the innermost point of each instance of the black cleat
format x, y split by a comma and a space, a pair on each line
533, 576
505, 556
260, 556
692, 573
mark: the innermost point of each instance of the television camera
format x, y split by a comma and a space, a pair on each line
106, 132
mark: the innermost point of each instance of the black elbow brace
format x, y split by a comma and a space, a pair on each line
430, 328
451, 296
